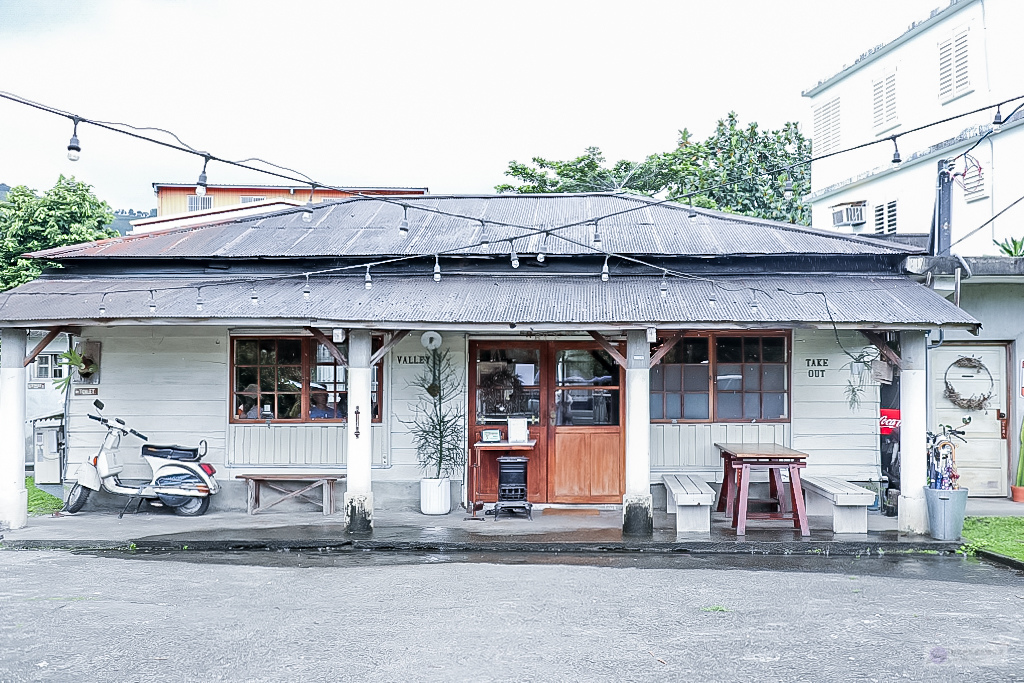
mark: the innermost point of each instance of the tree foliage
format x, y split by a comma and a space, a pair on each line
741, 169
68, 213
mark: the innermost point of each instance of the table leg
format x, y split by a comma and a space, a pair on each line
723, 492
253, 497
798, 500
739, 517
729, 482
778, 489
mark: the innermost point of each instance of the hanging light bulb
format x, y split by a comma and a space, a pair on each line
201, 183
367, 281
896, 152
306, 290
597, 236
484, 240
712, 300
542, 253
753, 301
604, 270
515, 256
152, 302
437, 269
74, 149
103, 306
199, 299
307, 213
691, 213
254, 297
664, 284
997, 122
403, 226
787, 190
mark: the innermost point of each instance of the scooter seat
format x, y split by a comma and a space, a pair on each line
172, 452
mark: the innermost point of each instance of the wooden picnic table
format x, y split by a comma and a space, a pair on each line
739, 460
275, 482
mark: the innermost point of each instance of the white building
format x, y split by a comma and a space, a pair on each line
960, 59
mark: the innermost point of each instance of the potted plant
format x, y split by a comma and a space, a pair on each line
1017, 490
74, 362
438, 430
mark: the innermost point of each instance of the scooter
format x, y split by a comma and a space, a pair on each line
179, 480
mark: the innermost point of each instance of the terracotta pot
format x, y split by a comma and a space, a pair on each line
1017, 493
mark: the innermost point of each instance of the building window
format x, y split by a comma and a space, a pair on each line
954, 68
293, 379
46, 366
722, 378
884, 102
199, 202
249, 199
885, 218
826, 127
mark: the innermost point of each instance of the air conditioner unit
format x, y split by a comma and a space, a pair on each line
850, 213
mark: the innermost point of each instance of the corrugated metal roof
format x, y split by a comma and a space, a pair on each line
394, 300
368, 226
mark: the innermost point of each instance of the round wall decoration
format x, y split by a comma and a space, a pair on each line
973, 402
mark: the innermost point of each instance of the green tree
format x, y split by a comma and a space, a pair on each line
755, 166
68, 213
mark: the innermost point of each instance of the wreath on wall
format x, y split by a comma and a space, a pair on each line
974, 401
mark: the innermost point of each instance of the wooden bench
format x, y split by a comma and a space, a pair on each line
847, 503
276, 482
690, 499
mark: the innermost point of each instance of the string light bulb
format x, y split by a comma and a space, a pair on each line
254, 297
74, 149
604, 270
712, 300
664, 284
787, 190
103, 306
152, 302
201, 183
306, 291
484, 240
997, 122
367, 280
753, 301
896, 161
597, 236
199, 299
307, 210
403, 226
542, 252
515, 256
437, 268
690, 213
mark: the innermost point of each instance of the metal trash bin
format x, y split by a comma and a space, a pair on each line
946, 513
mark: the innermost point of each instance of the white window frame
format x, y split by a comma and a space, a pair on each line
954, 57
45, 366
826, 135
883, 102
199, 202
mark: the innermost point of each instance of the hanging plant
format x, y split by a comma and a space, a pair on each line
74, 361
974, 401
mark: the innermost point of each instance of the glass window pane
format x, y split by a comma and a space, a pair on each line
673, 406
289, 378
774, 406
268, 378
729, 406
673, 378
729, 349
657, 378
289, 406
245, 379
774, 349
751, 377
324, 356
580, 407
773, 377
324, 405
323, 374
245, 407
289, 351
657, 409
695, 350
586, 367
752, 406
695, 407
730, 377
695, 377
268, 352
751, 350
246, 352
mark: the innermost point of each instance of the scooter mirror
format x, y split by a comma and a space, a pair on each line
98, 403
967, 420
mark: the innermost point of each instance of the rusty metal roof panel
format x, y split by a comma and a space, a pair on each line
396, 299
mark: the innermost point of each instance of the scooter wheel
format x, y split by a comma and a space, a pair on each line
76, 499
193, 507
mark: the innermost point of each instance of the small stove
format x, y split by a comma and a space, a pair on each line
512, 487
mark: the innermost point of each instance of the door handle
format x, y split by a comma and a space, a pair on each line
551, 418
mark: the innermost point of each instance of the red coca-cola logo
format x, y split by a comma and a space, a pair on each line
888, 420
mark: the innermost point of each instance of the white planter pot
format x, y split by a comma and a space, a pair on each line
435, 496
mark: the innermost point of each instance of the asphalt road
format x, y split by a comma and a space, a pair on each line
403, 617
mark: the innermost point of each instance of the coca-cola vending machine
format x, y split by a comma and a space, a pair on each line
889, 430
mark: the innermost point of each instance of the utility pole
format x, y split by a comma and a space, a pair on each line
942, 229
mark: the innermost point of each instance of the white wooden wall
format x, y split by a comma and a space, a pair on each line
691, 447
314, 446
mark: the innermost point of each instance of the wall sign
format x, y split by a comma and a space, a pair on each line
411, 360
36, 385
816, 366
86, 391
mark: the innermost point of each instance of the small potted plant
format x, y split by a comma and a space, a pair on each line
438, 430
74, 362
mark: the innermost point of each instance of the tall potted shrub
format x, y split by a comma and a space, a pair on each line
438, 430
1017, 490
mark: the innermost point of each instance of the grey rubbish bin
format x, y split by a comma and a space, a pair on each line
946, 513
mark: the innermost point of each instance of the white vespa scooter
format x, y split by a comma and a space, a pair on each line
179, 480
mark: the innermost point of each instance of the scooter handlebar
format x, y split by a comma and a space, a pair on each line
98, 419
139, 434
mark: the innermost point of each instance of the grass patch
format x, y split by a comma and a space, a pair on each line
714, 608
41, 502
1003, 535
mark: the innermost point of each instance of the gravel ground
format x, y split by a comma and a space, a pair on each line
377, 616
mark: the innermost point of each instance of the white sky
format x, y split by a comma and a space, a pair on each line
439, 94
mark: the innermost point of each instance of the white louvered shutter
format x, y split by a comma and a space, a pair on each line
974, 183
826, 127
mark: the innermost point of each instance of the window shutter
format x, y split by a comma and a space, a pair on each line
945, 69
974, 183
826, 127
199, 203
883, 93
890, 98
880, 219
961, 75
954, 65
885, 218
878, 88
